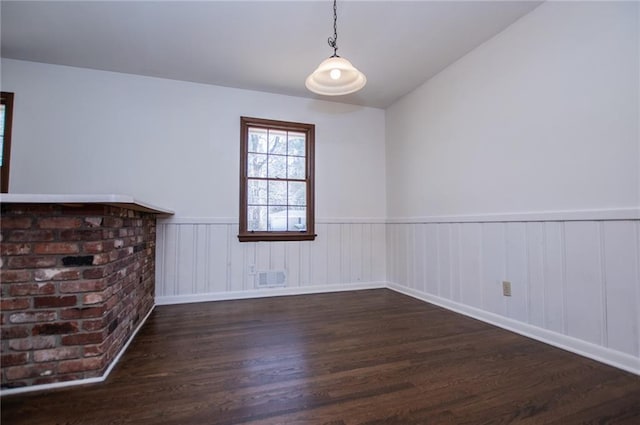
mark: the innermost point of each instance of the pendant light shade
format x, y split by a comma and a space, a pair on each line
335, 76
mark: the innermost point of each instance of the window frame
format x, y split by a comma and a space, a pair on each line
6, 99
245, 235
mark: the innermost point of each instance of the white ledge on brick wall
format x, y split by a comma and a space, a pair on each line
122, 201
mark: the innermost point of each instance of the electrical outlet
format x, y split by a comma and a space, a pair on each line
252, 269
506, 288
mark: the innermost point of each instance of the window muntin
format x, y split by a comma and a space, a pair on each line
276, 180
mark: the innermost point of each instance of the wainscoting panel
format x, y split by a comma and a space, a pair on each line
579, 279
204, 257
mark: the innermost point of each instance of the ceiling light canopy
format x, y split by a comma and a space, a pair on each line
335, 76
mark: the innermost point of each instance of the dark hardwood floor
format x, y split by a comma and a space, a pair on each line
368, 357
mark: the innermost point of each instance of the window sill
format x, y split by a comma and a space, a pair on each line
275, 237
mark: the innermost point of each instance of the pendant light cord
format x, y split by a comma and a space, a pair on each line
333, 41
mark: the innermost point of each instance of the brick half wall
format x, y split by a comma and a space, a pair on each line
76, 282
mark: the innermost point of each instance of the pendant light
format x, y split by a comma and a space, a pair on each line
335, 76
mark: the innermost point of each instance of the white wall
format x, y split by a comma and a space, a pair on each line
542, 117
176, 144
519, 162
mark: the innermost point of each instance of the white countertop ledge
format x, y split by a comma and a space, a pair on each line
122, 201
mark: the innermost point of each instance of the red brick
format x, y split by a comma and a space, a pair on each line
56, 274
112, 222
95, 350
82, 312
56, 328
83, 286
29, 371
112, 302
81, 235
15, 249
70, 366
129, 274
59, 223
83, 338
94, 325
21, 289
60, 353
93, 247
56, 248
101, 259
94, 298
13, 359
33, 317
15, 222
30, 262
9, 276
14, 304
30, 236
9, 332
96, 272
33, 343
66, 301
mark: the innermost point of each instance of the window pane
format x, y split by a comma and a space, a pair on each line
257, 140
257, 165
256, 218
295, 169
277, 167
257, 192
278, 218
297, 221
297, 193
296, 144
277, 193
276, 177
278, 142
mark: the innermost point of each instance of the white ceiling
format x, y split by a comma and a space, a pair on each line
258, 45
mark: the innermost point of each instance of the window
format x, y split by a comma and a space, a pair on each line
276, 180
6, 116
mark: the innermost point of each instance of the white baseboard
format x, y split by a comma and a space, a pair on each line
267, 292
601, 354
86, 381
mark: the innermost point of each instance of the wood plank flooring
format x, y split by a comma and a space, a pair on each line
368, 357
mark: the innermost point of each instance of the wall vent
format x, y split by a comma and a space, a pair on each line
271, 279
